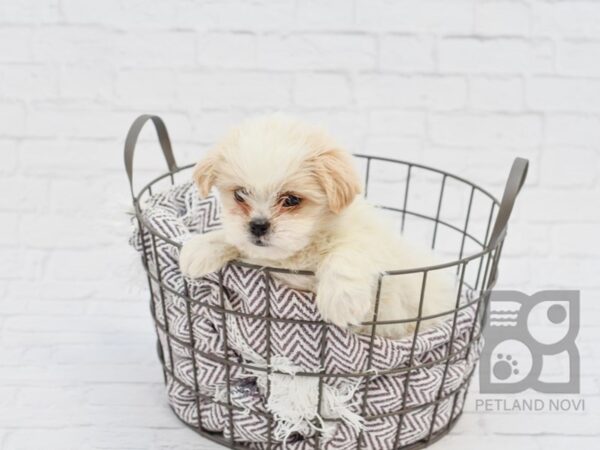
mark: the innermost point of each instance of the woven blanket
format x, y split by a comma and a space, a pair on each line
224, 359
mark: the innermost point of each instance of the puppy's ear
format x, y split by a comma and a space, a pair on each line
338, 178
205, 174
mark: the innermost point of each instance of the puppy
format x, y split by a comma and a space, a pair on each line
290, 198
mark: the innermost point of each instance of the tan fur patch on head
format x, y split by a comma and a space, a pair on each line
338, 178
205, 174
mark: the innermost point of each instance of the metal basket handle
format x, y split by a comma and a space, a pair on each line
131, 140
516, 179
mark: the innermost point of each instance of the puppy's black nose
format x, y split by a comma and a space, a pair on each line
259, 227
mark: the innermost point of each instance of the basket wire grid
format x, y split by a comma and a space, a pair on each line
476, 270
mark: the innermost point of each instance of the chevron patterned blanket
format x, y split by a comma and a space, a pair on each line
223, 359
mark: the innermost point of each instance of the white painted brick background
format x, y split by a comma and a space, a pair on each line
465, 85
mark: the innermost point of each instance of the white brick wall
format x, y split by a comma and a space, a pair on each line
466, 85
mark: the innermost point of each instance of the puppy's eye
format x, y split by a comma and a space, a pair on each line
290, 201
238, 195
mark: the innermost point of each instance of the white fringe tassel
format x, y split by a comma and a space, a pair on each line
293, 400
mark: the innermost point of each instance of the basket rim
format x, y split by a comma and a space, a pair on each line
486, 249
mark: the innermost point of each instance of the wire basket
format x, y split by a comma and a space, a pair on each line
409, 405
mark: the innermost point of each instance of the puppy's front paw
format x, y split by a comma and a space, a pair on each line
204, 254
344, 302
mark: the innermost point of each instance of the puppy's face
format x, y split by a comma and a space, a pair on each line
279, 182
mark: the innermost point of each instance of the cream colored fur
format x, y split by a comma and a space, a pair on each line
333, 232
